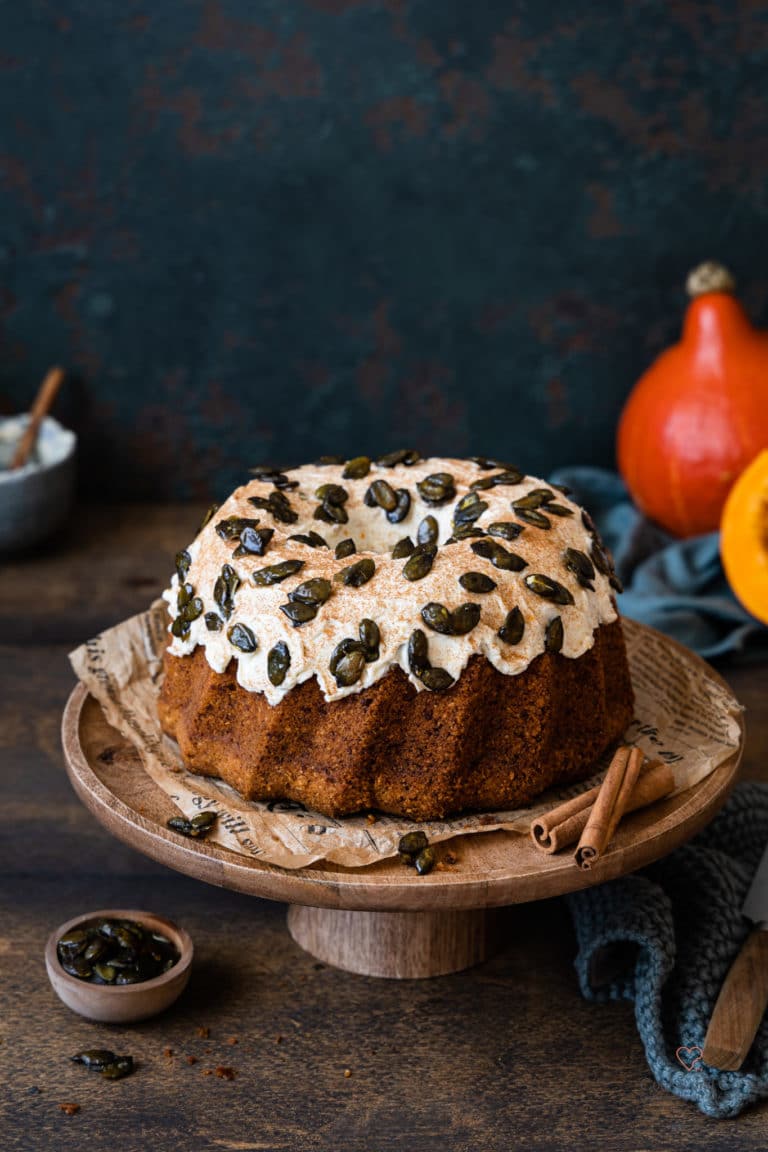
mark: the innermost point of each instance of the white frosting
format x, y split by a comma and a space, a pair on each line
393, 602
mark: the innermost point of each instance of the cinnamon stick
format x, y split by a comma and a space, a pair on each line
563, 825
40, 409
609, 806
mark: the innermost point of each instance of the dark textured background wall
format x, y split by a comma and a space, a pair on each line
267, 229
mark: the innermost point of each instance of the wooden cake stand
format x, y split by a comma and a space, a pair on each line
384, 919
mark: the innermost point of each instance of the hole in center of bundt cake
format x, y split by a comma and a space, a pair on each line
372, 532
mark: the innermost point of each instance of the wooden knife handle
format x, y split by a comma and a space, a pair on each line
740, 1006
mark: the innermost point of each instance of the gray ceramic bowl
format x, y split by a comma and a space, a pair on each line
35, 500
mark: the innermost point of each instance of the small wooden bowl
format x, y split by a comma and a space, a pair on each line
123, 1003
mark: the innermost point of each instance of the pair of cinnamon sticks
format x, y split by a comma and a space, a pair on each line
592, 818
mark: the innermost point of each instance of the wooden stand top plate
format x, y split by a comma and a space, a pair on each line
492, 869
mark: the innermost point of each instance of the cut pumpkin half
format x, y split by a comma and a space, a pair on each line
744, 538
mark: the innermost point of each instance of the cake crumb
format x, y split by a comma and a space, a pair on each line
69, 1108
232, 1040
224, 1073
347, 1073
371, 818
278, 1039
203, 1032
207, 1072
168, 1053
191, 1059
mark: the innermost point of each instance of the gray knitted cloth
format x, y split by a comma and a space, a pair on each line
678, 927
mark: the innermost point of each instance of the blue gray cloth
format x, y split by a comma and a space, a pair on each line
677, 586
666, 937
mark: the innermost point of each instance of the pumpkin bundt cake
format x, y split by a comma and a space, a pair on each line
413, 636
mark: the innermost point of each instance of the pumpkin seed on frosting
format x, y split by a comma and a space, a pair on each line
533, 499
468, 509
183, 561
436, 679
185, 594
241, 636
438, 488
382, 495
533, 516
418, 652
486, 463
548, 588
419, 563
357, 574
213, 622
438, 618
314, 591
370, 637
553, 635
581, 566
464, 532
402, 508
506, 529
558, 510
509, 477
254, 541
356, 468
499, 556
456, 623
349, 669
331, 513
343, 648
402, 548
345, 548
232, 526
311, 539
477, 582
224, 590
299, 613
332, 494
407, 456
511, 631
275, 573
209, 515
427, 531
278, 663
278, 505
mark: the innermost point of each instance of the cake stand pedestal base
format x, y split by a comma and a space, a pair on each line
400, 945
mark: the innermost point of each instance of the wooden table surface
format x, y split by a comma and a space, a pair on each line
500, 1056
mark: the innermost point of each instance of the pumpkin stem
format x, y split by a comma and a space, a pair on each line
709, 277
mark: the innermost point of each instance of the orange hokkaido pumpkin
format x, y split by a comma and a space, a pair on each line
699, 415
744, 538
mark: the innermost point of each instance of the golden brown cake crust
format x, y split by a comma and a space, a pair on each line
493, 741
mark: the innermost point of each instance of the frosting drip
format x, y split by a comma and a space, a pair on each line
394, 603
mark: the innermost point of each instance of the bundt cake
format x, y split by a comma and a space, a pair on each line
413, 636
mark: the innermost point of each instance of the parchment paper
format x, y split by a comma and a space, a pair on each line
682, 716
